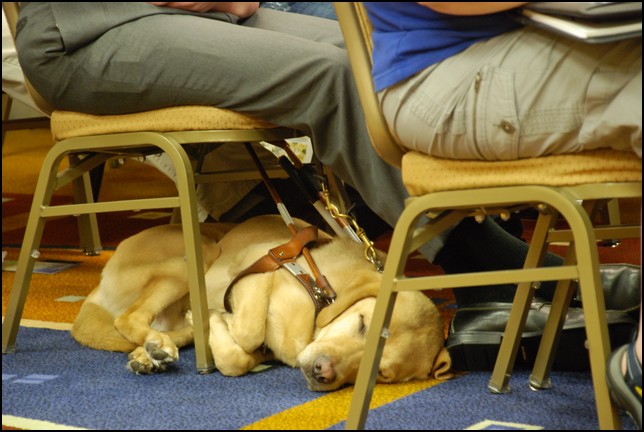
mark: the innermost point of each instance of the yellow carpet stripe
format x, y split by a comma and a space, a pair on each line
333, 407
44, 324
29, 424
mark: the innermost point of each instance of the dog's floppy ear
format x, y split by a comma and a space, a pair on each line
442, 366
360, 286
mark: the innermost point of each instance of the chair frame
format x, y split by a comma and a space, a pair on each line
88, 152
577, 205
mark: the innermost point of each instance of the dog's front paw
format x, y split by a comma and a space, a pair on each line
153, 357
161, 354
139, 362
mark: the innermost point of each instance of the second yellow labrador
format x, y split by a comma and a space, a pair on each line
141, 306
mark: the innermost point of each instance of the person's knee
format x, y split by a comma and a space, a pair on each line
335, 66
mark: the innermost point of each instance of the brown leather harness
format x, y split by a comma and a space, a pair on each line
285, 255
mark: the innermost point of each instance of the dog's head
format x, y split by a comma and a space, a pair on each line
414, 348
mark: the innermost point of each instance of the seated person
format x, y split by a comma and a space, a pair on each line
226, 201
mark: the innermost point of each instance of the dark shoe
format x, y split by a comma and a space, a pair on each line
476, 331
622, 288
626, 391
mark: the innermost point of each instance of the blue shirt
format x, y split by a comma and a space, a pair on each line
408, 37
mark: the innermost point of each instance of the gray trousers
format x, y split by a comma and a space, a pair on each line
288, 69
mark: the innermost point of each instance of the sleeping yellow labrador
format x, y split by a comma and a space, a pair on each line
141, 306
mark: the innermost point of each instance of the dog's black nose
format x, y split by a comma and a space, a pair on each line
323, 370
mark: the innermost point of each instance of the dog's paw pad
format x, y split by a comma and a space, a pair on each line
140, 363
151, 345
161, 355
158, 354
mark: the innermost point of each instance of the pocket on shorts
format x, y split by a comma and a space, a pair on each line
475, 118
494, 120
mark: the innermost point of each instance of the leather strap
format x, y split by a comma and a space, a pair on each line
285, 256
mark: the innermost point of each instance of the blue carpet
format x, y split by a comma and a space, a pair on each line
51, 378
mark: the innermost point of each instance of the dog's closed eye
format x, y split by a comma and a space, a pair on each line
385, 375
362, 329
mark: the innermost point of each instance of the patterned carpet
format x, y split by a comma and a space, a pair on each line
53, 383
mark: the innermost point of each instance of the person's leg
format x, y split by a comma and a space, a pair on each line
291, 70
464, 253
522, 94
457, 109
13, 81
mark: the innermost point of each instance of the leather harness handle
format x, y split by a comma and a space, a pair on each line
319, 289
321, 293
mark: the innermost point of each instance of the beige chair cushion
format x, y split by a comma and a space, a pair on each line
423, 174
67, 124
